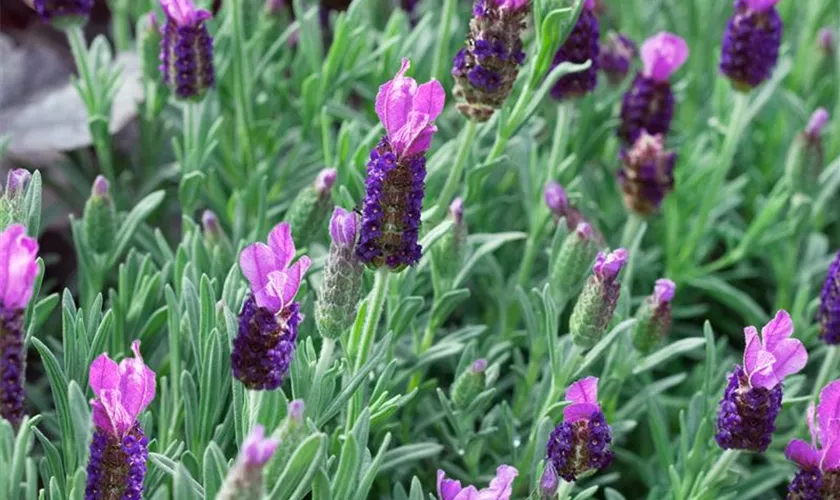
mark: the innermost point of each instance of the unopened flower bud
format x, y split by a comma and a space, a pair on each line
596, 304
573, 259
653, 319
617, 55
245, 478
100, 217
448, 255
275, 7
310, 208
549, 482
816, 124
806, 157
341, 286
469, 384
148, 45
486, 68
289, 434
826, 40
556, 199
16, 183
647, 174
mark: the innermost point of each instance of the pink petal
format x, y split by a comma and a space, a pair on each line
802, 453
831, 456
580, 411
448, 489
137, 383
257, 449
18, 266
828, 411
583, 391
295, 275
468, 493
281, 243
422, 142
662, 55
109, 413
778, 329
763, 374
791, 357
761, 5
430, 99
104, 374
501, 487
752, 346
812, 427
395, 100
403, 140
257, 261
271, 295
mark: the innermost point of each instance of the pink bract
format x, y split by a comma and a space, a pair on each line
770, 358
122, 391
662, 55
18, 267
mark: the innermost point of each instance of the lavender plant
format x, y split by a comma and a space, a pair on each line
358, 277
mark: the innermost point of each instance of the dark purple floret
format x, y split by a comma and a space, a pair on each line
11, 366
264, 345
52, 9
806, 485
391, 210
646, 175
829, 313
576, 447
187, 59
581, 46
117, 466
617, 54
649, 106
750, 46
747, 415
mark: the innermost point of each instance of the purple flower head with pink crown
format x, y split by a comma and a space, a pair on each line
257, 449
662, 55
184, 12
751, 41
245, 478
408, 111
269, 270
186, 51
122, 391
119, 448
608, 265
501, 487
18, 267
819, 461
753, 398
581, 442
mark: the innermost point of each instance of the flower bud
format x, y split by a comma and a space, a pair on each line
806, 158
582, 45
572, 260
826, 40
311, 207
751, 43
486, 68
653, 319
289, 434
449, 253
596, 304
341, 286
617, 54
148, 45
275, 7
100, 217
16, 183
556, 199
469, 385
245, 478
549, 482
647, 174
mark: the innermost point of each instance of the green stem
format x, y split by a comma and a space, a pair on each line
241, 87
722, 464
455, 174
121, 23
442, 48
561, 138
325, 359
532, 245
631, 229
565, 490
737, 123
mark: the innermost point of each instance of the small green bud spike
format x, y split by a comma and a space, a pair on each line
311, 207
342, 284
100, 218
574, 257
469, 384
596, 304
448, 255
653, 319
289, 434
148, 44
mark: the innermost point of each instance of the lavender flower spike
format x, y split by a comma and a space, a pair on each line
751, 43
596, 304
581, 442
617, 54
582, 45
647, 174
268, 322
501, 487
752, 400
186, 52
396, 171
829, 313
119, 448
245, 479
62, 12
18, 270
649, 104
819, 461
486, 68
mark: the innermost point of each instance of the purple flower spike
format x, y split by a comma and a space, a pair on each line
607, 266
829, 313
649, 104
186, 52
751, 43
582, 45
752, 400
647, 174
617, 54
581, 442
396, 171
819, 461
18, 270
119, 448
61, 10
268, 322
556, 199
816, 124
501, 487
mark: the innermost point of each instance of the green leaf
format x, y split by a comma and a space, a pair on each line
129, 225
490, 243
727, 294
58, 386
294, 481
668, 352
407, 454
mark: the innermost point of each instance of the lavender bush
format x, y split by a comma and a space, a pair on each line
367, 254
